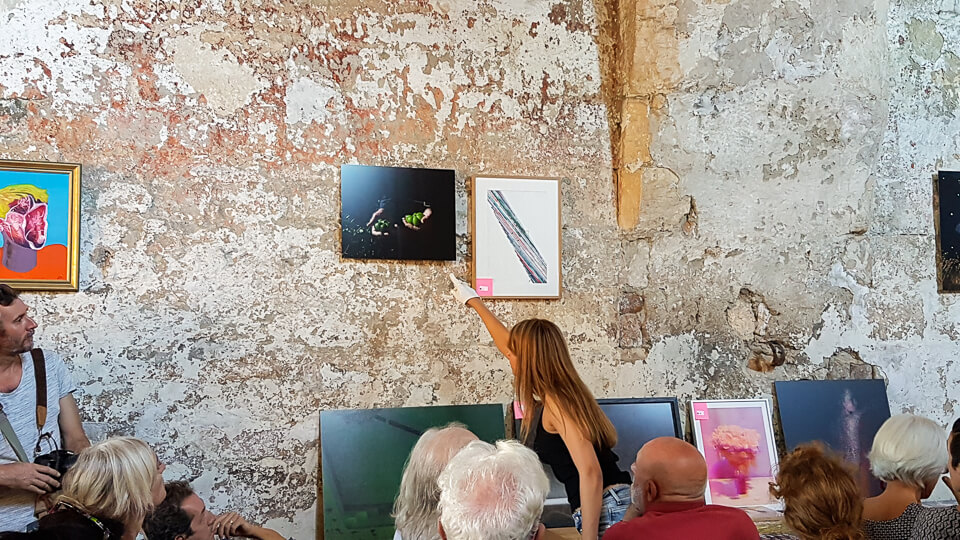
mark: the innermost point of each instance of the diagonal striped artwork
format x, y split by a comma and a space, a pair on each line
527, 252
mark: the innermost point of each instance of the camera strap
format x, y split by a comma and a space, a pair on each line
40, 373
11, 436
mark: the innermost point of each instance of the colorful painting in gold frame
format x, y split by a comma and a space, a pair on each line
40, 225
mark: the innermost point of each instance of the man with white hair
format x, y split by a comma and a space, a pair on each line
492, 492
415, 509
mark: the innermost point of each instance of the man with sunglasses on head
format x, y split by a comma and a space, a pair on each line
21, 480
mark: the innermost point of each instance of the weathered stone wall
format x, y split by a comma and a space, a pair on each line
780, 154
215, 318
801, 139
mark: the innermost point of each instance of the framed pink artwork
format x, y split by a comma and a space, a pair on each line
736, 440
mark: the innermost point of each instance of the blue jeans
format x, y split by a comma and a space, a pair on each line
613, 505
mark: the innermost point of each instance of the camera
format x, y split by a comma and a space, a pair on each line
61, 460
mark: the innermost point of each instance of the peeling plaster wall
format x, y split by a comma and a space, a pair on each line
215, 318
795, 225
785, 216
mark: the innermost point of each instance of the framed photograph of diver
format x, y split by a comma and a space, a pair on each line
40, 225
516, 237
736, 439
397, 213
946, 225
842, 414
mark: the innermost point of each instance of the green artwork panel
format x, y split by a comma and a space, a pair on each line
363, 453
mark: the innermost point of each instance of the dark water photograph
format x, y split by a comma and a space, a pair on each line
397, 213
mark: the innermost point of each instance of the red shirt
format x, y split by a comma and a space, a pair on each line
686, 520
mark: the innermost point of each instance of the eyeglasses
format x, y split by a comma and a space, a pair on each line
48, 437
95, 521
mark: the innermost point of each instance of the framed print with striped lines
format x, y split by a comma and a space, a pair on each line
516, 237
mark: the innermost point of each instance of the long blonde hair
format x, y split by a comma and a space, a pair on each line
113, 479
544, 369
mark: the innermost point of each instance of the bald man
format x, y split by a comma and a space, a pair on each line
669, 479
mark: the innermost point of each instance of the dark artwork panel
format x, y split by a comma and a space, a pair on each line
637, 421
844, 415
363, 453
397, 213
946, 206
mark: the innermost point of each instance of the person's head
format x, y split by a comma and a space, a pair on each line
953, 445
415, 509
821, 498
668, 469
909, 449
544, 368
16, 327
181, 516
492, 492
119, 479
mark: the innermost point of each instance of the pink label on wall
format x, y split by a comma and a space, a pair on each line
700, 411
485, 286
517, 410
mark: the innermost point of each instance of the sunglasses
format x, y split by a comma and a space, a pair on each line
106, 532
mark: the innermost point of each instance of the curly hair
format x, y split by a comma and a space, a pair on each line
821, 498
168, 520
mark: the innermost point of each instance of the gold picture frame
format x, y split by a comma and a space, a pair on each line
40, 225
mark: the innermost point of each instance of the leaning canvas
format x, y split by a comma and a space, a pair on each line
362, 456
516, 237
844, 415
737, 442
946, 224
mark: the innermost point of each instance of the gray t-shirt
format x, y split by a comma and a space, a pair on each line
20, 406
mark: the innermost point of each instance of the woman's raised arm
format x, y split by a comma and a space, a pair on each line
501, 336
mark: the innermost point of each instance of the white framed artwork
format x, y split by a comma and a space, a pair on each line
516, 237
736, 439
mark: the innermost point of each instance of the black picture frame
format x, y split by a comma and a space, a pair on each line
397, 213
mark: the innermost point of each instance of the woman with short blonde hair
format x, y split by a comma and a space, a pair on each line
108, 492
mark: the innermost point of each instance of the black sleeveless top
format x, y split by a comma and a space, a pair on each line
552, 451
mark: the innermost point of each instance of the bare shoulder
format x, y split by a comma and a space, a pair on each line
553, 418
557, 420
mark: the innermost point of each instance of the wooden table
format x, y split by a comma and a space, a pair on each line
562, 533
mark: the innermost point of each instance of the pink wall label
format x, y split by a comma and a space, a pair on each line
517, 409
485, 286
700, 411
